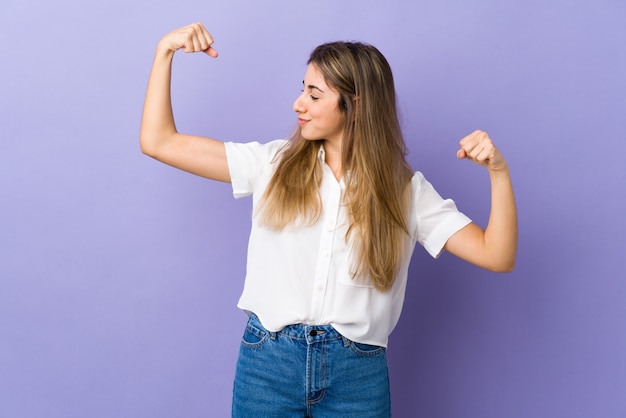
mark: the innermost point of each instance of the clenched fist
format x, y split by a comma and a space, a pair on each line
191, 38
479, 148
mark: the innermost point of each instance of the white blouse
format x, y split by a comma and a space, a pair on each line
301, 274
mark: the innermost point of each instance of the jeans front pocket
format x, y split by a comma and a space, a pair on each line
366, 350
253, 337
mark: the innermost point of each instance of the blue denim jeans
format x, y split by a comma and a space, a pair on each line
308, 371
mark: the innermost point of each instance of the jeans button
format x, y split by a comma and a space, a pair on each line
312, 333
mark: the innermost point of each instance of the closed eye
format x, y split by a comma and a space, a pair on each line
314, 98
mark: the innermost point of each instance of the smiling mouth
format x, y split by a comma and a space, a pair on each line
302, 122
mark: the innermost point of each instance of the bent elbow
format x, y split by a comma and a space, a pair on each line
146, 146
505, 267
508, 269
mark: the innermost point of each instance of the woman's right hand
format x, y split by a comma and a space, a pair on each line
190, 38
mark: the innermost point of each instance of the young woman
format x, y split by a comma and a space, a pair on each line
337, 212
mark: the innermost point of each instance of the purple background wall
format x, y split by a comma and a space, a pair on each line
119, 276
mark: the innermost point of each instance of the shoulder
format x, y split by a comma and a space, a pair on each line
425, 197
418, 181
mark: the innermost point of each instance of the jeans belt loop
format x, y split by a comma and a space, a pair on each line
346, 342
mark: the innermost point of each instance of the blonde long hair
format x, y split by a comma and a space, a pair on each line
373, 156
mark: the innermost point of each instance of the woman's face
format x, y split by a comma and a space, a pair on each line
318, 111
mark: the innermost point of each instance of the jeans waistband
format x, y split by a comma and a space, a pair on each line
310, 333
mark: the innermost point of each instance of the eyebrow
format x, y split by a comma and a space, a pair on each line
311, 86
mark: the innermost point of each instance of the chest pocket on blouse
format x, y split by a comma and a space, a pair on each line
356, 282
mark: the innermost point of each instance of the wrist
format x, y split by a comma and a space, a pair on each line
499, 172
164, 49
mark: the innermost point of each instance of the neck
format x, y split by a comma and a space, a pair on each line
332, 152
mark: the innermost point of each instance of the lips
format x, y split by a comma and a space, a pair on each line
302, 122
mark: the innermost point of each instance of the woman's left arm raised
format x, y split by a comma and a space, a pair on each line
495, 247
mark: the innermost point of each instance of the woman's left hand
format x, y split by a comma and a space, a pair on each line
478, 148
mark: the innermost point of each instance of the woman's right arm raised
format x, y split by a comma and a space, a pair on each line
159, 138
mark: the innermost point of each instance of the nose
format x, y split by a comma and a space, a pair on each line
297, 105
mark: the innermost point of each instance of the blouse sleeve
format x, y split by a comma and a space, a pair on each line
435, 219
248, 163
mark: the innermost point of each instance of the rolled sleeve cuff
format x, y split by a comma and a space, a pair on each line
238, 178
442, 233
